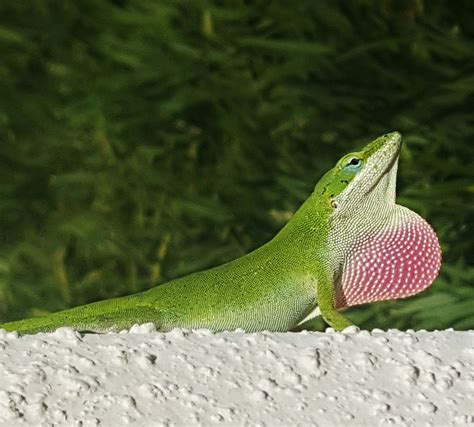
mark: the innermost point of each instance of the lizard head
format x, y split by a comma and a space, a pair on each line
359, 177
380, 250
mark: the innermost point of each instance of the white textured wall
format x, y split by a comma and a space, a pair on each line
148, 378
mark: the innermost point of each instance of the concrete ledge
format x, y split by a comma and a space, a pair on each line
143, 377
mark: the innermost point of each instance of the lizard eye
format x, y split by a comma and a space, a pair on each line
354, 164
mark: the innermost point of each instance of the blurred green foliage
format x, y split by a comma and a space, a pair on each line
143, 140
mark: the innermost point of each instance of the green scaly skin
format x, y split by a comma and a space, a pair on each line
273, 288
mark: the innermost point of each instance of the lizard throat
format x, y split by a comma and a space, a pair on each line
398, 261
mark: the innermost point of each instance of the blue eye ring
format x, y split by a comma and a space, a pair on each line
354, 163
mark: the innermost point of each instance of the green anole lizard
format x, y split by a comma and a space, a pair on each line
348, 244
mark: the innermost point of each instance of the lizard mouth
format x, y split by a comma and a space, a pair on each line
387, 168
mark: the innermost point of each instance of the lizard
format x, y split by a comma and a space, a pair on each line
349, 243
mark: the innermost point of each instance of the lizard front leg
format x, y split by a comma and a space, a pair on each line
326, 296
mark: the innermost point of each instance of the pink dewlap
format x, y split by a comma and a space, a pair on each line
393, 264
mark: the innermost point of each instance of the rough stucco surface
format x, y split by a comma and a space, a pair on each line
143, 377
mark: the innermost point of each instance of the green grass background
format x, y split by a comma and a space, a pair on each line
142, 140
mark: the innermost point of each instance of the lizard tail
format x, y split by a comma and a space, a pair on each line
111, 315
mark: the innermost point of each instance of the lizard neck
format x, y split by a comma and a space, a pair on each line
307, 230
